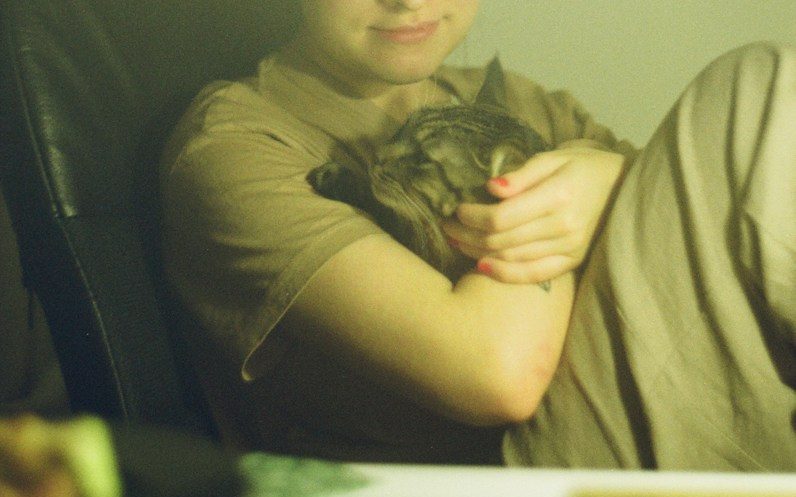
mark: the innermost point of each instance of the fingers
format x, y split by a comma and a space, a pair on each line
531, 263
538, 239
552, 195
549, 212
557, 232
548, 198
533, 172
537, 271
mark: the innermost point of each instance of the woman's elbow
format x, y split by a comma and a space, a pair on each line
518, 397
513, 391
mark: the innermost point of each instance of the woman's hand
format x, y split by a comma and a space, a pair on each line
550, 211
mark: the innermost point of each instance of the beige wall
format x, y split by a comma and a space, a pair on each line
626, 60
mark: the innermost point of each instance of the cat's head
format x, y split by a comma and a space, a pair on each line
460, 146
443, 156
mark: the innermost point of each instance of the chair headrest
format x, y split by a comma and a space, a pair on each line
102, 82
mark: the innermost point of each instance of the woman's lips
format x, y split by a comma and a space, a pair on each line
409, 34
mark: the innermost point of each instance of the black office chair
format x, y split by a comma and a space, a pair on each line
90, 90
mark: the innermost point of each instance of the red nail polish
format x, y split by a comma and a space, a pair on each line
484, 267
501, 181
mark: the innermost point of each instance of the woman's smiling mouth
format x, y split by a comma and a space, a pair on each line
408, 34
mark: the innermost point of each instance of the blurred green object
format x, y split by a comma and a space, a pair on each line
89, 454
94, 458
77, 454
283, 476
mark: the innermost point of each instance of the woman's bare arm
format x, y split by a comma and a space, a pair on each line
480, 352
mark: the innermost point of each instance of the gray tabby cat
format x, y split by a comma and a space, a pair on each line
441, 157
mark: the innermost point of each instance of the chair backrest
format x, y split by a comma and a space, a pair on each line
90, 90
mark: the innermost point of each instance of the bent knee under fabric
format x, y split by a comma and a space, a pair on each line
681, 347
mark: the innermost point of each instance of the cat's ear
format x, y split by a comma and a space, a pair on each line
493, 90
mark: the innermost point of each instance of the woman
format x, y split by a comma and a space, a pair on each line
356, 349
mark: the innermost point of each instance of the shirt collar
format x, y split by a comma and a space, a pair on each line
348, 119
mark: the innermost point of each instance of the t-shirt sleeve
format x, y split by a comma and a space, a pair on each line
243, 230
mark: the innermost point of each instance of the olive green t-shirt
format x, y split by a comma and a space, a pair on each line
244, 232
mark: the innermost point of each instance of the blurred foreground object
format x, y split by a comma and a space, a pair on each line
87, 457
61, 459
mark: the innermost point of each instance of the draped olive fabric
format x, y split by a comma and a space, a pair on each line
682, 348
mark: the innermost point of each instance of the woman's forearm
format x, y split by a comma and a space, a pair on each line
481, 352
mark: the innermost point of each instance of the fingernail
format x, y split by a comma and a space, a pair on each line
500, 181
484, 267
453, 243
